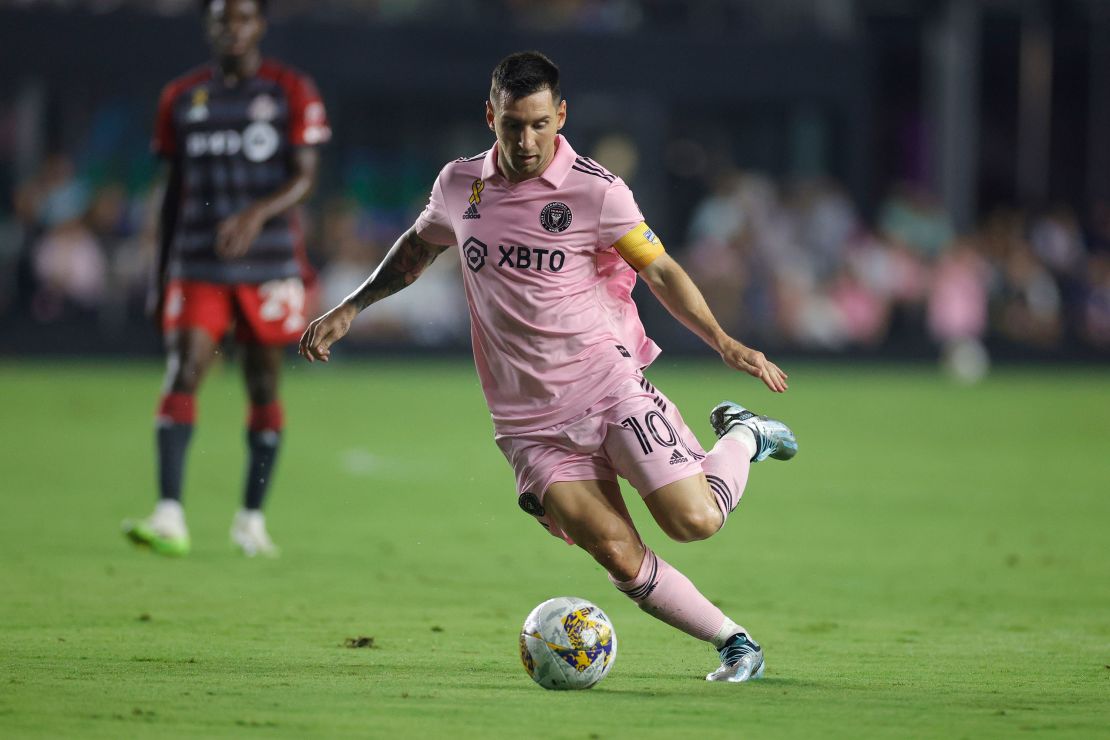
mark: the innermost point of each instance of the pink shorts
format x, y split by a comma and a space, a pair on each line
635, 433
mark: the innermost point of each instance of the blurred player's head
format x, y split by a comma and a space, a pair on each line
235, 27
525, 110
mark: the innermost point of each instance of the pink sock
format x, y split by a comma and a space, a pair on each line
726, 469
667, 595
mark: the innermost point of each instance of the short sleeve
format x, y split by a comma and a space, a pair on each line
619, 214
164, 142
433, 225
308, 121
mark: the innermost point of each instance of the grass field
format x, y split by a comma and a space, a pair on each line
934, 563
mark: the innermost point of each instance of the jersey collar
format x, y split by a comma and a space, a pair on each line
556, 171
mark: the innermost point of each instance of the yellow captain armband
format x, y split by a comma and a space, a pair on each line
639, 247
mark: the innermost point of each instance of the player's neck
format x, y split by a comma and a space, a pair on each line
234, 70
515, 178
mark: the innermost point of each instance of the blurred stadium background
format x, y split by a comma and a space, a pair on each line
869, 178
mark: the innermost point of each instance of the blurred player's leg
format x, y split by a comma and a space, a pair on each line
594, 515
190, 353
262, 372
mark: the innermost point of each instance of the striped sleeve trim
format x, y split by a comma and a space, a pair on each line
583, 164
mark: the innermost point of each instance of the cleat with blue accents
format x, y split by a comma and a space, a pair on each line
741, 660
772, 437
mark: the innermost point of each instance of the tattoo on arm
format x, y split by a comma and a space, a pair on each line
408, 258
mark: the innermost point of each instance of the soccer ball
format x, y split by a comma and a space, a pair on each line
567, 643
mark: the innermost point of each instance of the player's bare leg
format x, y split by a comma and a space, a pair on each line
686, 510
262, 374
593, 514
189, 355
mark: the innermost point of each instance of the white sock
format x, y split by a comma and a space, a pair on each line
169, 507
250, 516
168, 518
744, 436
728, 629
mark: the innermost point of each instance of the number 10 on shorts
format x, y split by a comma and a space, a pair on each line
654, 427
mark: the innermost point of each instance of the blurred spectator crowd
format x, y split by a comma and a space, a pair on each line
784, 264
796, 264
77, 252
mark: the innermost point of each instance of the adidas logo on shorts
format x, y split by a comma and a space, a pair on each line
677, 457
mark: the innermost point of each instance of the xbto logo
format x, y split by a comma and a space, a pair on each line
475, 253
531, 258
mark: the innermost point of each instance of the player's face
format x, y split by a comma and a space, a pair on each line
526, 129
235, 27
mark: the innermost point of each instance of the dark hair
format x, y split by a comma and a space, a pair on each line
204, 4
524, 73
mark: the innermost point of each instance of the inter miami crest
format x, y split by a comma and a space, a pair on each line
555, 217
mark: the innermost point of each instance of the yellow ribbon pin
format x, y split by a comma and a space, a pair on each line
476, 190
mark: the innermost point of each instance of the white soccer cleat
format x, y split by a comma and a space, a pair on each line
772, 437
741, 660
248, 533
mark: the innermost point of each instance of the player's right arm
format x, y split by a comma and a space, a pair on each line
406, 261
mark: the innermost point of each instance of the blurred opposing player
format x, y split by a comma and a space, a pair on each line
552, 243
238, 135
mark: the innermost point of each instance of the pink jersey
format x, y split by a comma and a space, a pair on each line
553, 323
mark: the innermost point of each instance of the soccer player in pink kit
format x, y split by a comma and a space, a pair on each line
552, 244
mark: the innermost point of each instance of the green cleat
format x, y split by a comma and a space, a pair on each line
164, 531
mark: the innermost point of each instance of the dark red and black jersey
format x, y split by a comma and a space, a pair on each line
235, 145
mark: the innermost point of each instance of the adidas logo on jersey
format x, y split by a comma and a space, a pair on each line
677, 457
476, 189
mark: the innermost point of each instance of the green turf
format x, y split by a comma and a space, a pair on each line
935, 562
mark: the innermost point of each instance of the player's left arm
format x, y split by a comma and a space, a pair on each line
237, 232
681, 297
